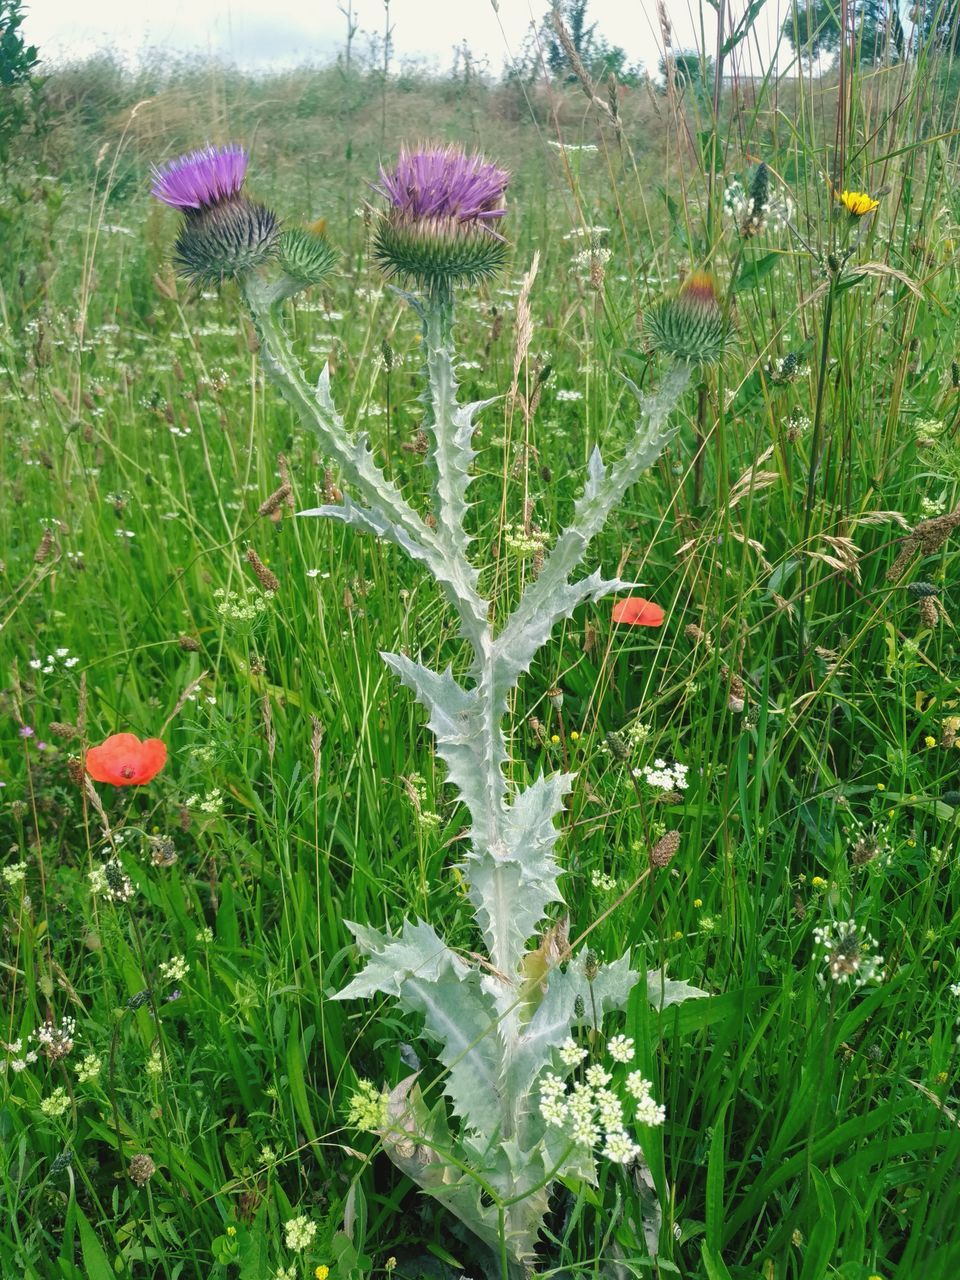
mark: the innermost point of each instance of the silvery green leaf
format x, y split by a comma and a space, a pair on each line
663, 991
415, 1141
392, 960
428, 978
550, 596
547, 601
514, 881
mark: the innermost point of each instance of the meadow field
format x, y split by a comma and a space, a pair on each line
181, 1098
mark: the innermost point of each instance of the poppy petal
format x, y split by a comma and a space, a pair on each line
637, 612
122, 760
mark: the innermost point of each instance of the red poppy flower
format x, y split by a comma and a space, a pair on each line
124, 761
638, 612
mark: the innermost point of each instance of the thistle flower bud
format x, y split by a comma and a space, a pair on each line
306, 255
225, 240
691, 326
439, 229
223, 233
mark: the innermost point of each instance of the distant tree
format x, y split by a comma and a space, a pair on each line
597, 55
17, 63
691, 73
875, 30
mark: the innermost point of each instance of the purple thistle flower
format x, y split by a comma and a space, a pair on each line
444, 183
201, 178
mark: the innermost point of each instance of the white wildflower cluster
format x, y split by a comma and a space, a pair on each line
111, 880
367, 1108
205, 936
590, 1112
573, 148
19, 1056
416, 787
14, 874
154, 1064
788, 368
665, 777
299, 1233
568, 395
56, 1104
933, 506
175, 969
751, 216
587, 260
242, 609
850, 952
928, 430
523, 542
59, 660
593, 234
600, 880
55, 1040
211, 803
88, 1068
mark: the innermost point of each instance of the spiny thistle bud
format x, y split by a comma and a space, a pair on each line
439, 229
223, 233
306, 255
691, 326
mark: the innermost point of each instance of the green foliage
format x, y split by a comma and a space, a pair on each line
810, 1127
17, 62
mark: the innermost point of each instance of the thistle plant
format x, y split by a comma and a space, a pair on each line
509, 1020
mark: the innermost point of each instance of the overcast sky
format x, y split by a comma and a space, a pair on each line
258, 34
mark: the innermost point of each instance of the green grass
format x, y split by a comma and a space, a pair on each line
811, 1127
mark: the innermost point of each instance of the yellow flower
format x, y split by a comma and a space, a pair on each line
929, 741
677, 936
555, 738
881, 786
231, 1231
858, 202
818, 882
574, 736
698, 902
322, 1272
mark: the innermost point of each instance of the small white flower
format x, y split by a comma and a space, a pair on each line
620, 1049
637, 1087
571, 1054
597, 1076
175, 969
299, 1233
88, 1068
650, 1112
620, 1148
